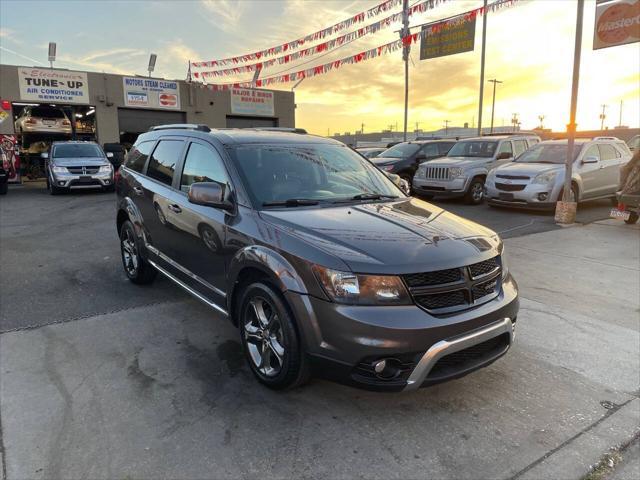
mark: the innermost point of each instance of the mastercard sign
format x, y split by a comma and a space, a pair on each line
617, 23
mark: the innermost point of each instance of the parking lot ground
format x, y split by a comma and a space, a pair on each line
148, 383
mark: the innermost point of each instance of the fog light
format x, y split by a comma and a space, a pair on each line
60, 183
380, 366
543, 196
107, 182
387, 369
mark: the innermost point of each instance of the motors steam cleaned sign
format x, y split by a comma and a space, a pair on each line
151, 93
54, 86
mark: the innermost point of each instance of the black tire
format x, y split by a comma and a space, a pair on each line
53, 190
137, 269
272, 347
426, 197
4, 188
633, 218
475, 192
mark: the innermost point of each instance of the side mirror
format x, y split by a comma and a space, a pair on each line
590, 159
504, 156
44, 155
109, 154
210, 194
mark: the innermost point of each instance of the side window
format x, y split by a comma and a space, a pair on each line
202, 164
430, 150
520, 146
138, 156
505, 147
607, 152
163, 162
592, 151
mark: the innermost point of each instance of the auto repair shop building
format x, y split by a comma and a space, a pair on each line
113, 108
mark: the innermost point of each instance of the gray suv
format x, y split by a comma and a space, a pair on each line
536, 179
463, 171
323, 264
78, 165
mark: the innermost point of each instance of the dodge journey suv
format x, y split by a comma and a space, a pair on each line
322, 263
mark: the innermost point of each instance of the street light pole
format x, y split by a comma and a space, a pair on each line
602, 116
566, 209
484, 44
493, 105
405, 56
446, 127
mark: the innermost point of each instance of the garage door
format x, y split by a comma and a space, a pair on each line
250, 122
137, 121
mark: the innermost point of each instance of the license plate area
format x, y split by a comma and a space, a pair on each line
85, 179
505, 196
615, 213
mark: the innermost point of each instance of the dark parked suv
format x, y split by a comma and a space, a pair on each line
323, 264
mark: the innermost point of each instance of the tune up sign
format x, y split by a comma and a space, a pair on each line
54, 86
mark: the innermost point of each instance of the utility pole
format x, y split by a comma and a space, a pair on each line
417, 126
602, 116
515, 121
566, 210
446, 127
541, 118
493, 105
620, 119
361, 128
405, 56
484, 45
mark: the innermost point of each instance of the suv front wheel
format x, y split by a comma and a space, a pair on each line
270, 339
475, 192
138, 270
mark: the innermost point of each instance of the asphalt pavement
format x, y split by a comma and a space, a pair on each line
104, 379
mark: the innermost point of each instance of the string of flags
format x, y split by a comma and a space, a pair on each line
375, 52
319, 48
312, 37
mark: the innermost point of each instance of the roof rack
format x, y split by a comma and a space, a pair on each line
280, 129
606, 138
181, 126
510, 134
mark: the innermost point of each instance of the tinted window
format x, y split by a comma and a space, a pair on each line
47, 112
506, 148
401, 150
76, 150
555, 153
430, 150
473, 148
593, 152
163, 162
445, 147
607, 152
138, 156
202, 165
520, 146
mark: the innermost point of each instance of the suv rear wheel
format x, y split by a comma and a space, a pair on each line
138, 270
270, 339
475, 192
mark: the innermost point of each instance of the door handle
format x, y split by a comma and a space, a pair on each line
138, 190
175, 208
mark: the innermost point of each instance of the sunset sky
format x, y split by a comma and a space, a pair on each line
529, 48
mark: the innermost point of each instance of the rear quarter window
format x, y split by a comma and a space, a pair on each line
138, 155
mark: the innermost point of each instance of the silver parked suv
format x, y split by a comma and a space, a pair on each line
463, 171
536, 179
78, 165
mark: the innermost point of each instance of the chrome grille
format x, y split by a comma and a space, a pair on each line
437, 173
513, 177
454, 289
80, 170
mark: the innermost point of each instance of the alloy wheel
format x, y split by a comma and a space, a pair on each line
129, 253
477, 191
264, 337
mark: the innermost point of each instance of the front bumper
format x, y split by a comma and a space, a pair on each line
345, 341
533, 196
441, 188
74, 181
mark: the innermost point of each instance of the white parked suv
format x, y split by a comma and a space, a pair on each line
536, 178
42, 119
463, 171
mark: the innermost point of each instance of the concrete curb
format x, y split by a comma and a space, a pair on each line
575, 458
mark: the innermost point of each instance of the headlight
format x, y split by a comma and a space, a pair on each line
422, 171
545, 178
350, 288
59, 169
456, 172
106, 168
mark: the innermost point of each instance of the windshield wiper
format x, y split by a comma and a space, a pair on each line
291, 202
367, 196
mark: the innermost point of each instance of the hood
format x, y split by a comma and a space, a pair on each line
405, 236
80, 161
526, 169
457, 161
381, 160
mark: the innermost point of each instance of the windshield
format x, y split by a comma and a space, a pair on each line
47, 112
473, 148
555, 153
76, 150
401, 150
320, 173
